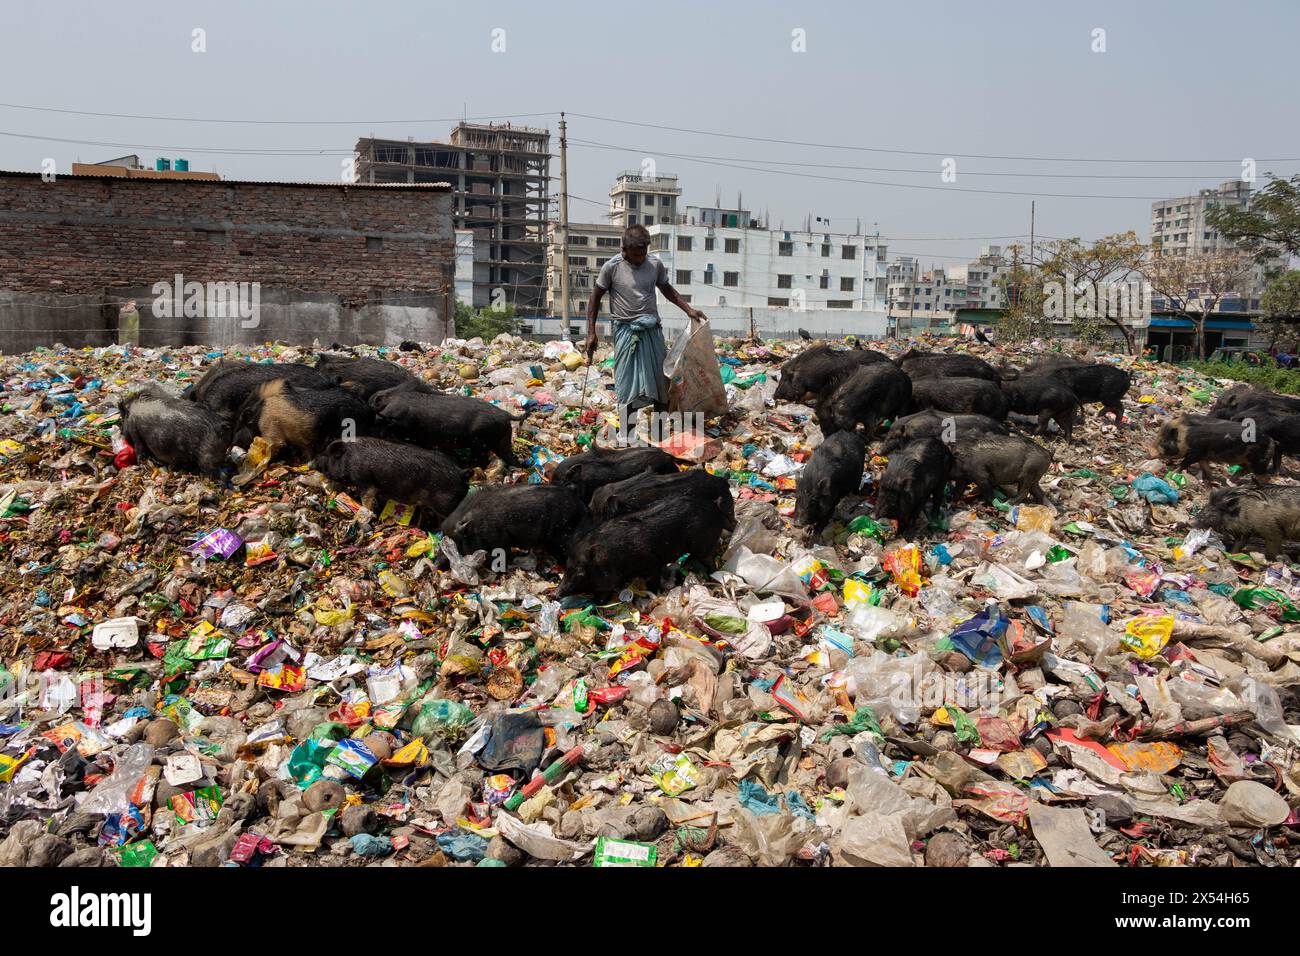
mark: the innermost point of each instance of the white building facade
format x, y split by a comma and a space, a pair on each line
1179, 228
725, 266
464, 274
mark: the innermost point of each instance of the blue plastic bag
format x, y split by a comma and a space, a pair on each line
1155, 490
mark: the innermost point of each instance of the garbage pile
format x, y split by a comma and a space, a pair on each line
252, 667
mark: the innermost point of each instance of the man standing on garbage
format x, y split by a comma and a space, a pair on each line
631, 278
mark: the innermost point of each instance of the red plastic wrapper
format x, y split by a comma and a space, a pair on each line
607, 695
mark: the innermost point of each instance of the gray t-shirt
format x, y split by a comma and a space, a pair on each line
631, 288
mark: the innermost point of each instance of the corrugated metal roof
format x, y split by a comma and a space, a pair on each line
435, 187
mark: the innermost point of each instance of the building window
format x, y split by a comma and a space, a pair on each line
708, 277
601, 262
784, 282
649, 202
683, 276
785, 249
577, 260
686, 298
608, 242
665, 200
826, 282
631, 200
826, 250
839, 303
848, 252
846, 283
708, 243
659, 242
731, 278
631, 220
732, 245
683, 243
577, 240
780, 303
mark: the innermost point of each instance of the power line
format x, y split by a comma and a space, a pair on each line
873, 182
912, 152
241, 151
261, 122
889, 169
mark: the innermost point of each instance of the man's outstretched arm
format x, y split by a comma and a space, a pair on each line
673, 296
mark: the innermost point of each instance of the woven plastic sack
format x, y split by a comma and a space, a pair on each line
694, 377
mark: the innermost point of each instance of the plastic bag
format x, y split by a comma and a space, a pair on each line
439, 717
516, 742
694, 378
1155, 490
125, 785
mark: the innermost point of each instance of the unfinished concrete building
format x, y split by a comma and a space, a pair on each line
500, 178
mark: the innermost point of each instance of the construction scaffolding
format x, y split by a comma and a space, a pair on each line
500, 178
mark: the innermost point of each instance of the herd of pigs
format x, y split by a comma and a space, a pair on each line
614, 515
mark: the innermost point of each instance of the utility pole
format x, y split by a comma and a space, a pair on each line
1015, 276
564, 232
1031, 233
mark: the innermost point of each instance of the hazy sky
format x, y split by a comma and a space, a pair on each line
917, 82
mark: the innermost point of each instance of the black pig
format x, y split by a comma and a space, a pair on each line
945, 426
869, 394
1278, 424
516, 516
1096, 382
641, 545
1002, 461
305, 419
972, 396
449, 423
835, 470
226, 385
173, 431
402, 472
919, 365
818, 370
1197, 439
366, 376
604, 466
1268, 513
1045, 397
647, 488
916, 473
1234, 399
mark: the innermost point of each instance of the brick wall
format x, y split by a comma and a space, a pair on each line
91, 235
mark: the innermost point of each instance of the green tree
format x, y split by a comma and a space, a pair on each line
1082, 279
1280, 307
1023, 293
1195, 284
487, 323
1272, 218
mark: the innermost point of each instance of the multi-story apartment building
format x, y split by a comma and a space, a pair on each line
983, 278
920, 301
712, 264
637, 199
1179, 228
591, 245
